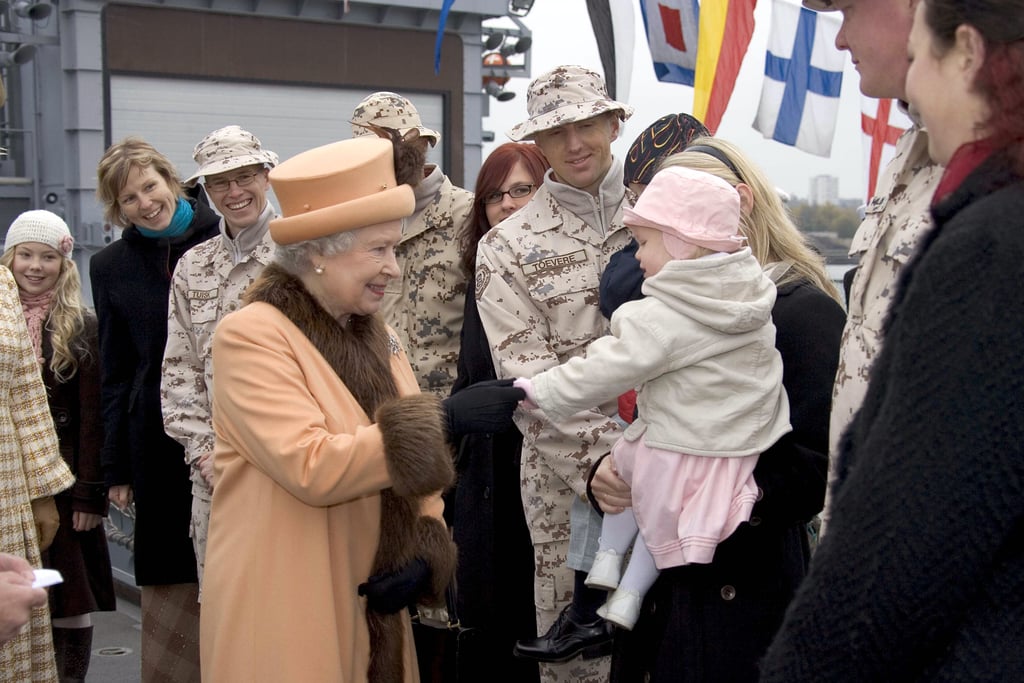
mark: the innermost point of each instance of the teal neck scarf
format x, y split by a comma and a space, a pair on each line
180, 221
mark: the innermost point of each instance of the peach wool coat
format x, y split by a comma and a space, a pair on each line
301, 475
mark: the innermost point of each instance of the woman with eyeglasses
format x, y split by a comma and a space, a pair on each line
131, 278
494, 574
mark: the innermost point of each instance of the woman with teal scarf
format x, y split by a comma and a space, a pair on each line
142, 193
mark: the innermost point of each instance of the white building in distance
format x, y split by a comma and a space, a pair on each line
824, 189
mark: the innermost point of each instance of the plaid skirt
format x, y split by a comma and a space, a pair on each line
170, 633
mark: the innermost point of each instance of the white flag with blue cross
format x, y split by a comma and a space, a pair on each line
803, 77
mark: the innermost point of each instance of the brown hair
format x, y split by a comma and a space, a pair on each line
115, 166
493, 172
1000, 79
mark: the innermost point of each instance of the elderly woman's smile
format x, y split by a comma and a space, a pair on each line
353, 282
338, 446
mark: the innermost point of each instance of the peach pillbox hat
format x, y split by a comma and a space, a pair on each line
566, 94
338, 187
689, 207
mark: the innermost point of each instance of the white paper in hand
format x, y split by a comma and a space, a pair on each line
47, 577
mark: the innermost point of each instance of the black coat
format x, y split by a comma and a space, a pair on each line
131, 280
495, 567
921, 574
713, 622
82, 557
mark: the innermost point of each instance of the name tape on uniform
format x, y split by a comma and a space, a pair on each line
554, 262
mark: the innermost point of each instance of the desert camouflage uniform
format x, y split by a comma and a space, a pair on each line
425, 306
537, 290
895, 220
209, 281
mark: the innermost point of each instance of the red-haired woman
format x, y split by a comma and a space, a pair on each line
495, 568
919, 576
510, 175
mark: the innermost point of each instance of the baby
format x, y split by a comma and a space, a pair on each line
700, 350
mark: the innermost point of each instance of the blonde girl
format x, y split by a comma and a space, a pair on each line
38, 250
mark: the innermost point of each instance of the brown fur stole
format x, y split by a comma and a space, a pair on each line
417, 457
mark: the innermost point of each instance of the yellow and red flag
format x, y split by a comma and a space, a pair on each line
724, 34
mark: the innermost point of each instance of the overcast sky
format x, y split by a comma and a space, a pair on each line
562, 35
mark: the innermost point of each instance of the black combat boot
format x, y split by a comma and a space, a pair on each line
567, 638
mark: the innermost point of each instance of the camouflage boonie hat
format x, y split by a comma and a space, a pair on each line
390, 110
226, 149
566, 94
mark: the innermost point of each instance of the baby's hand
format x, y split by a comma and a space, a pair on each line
527, 386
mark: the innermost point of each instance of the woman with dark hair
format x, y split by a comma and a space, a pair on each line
920, 575
507, 179
494, 574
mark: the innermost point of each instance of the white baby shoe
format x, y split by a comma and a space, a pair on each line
606, 570
622, 609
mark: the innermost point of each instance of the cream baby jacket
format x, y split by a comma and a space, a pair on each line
700, 350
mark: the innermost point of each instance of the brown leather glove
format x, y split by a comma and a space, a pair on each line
47, 520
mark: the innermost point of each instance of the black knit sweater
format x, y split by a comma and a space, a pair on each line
921, 574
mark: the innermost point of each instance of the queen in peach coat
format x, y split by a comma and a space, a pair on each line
329, 461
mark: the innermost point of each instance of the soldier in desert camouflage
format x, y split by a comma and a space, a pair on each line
537, 281
895, 219
208, 284
424, 305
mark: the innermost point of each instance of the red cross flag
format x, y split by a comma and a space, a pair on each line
882, 122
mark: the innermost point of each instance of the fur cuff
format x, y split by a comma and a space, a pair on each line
417, 454
434, 544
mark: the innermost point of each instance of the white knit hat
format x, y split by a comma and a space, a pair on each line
40, 226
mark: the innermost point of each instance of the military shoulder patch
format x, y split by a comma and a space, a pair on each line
483, 278
877, 204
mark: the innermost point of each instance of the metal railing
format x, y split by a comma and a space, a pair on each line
117, 531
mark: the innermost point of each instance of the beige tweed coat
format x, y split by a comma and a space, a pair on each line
30, 468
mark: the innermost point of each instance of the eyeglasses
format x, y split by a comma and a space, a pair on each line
515, 192
224, 184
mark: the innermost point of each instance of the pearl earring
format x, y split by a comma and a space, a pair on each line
319, 270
